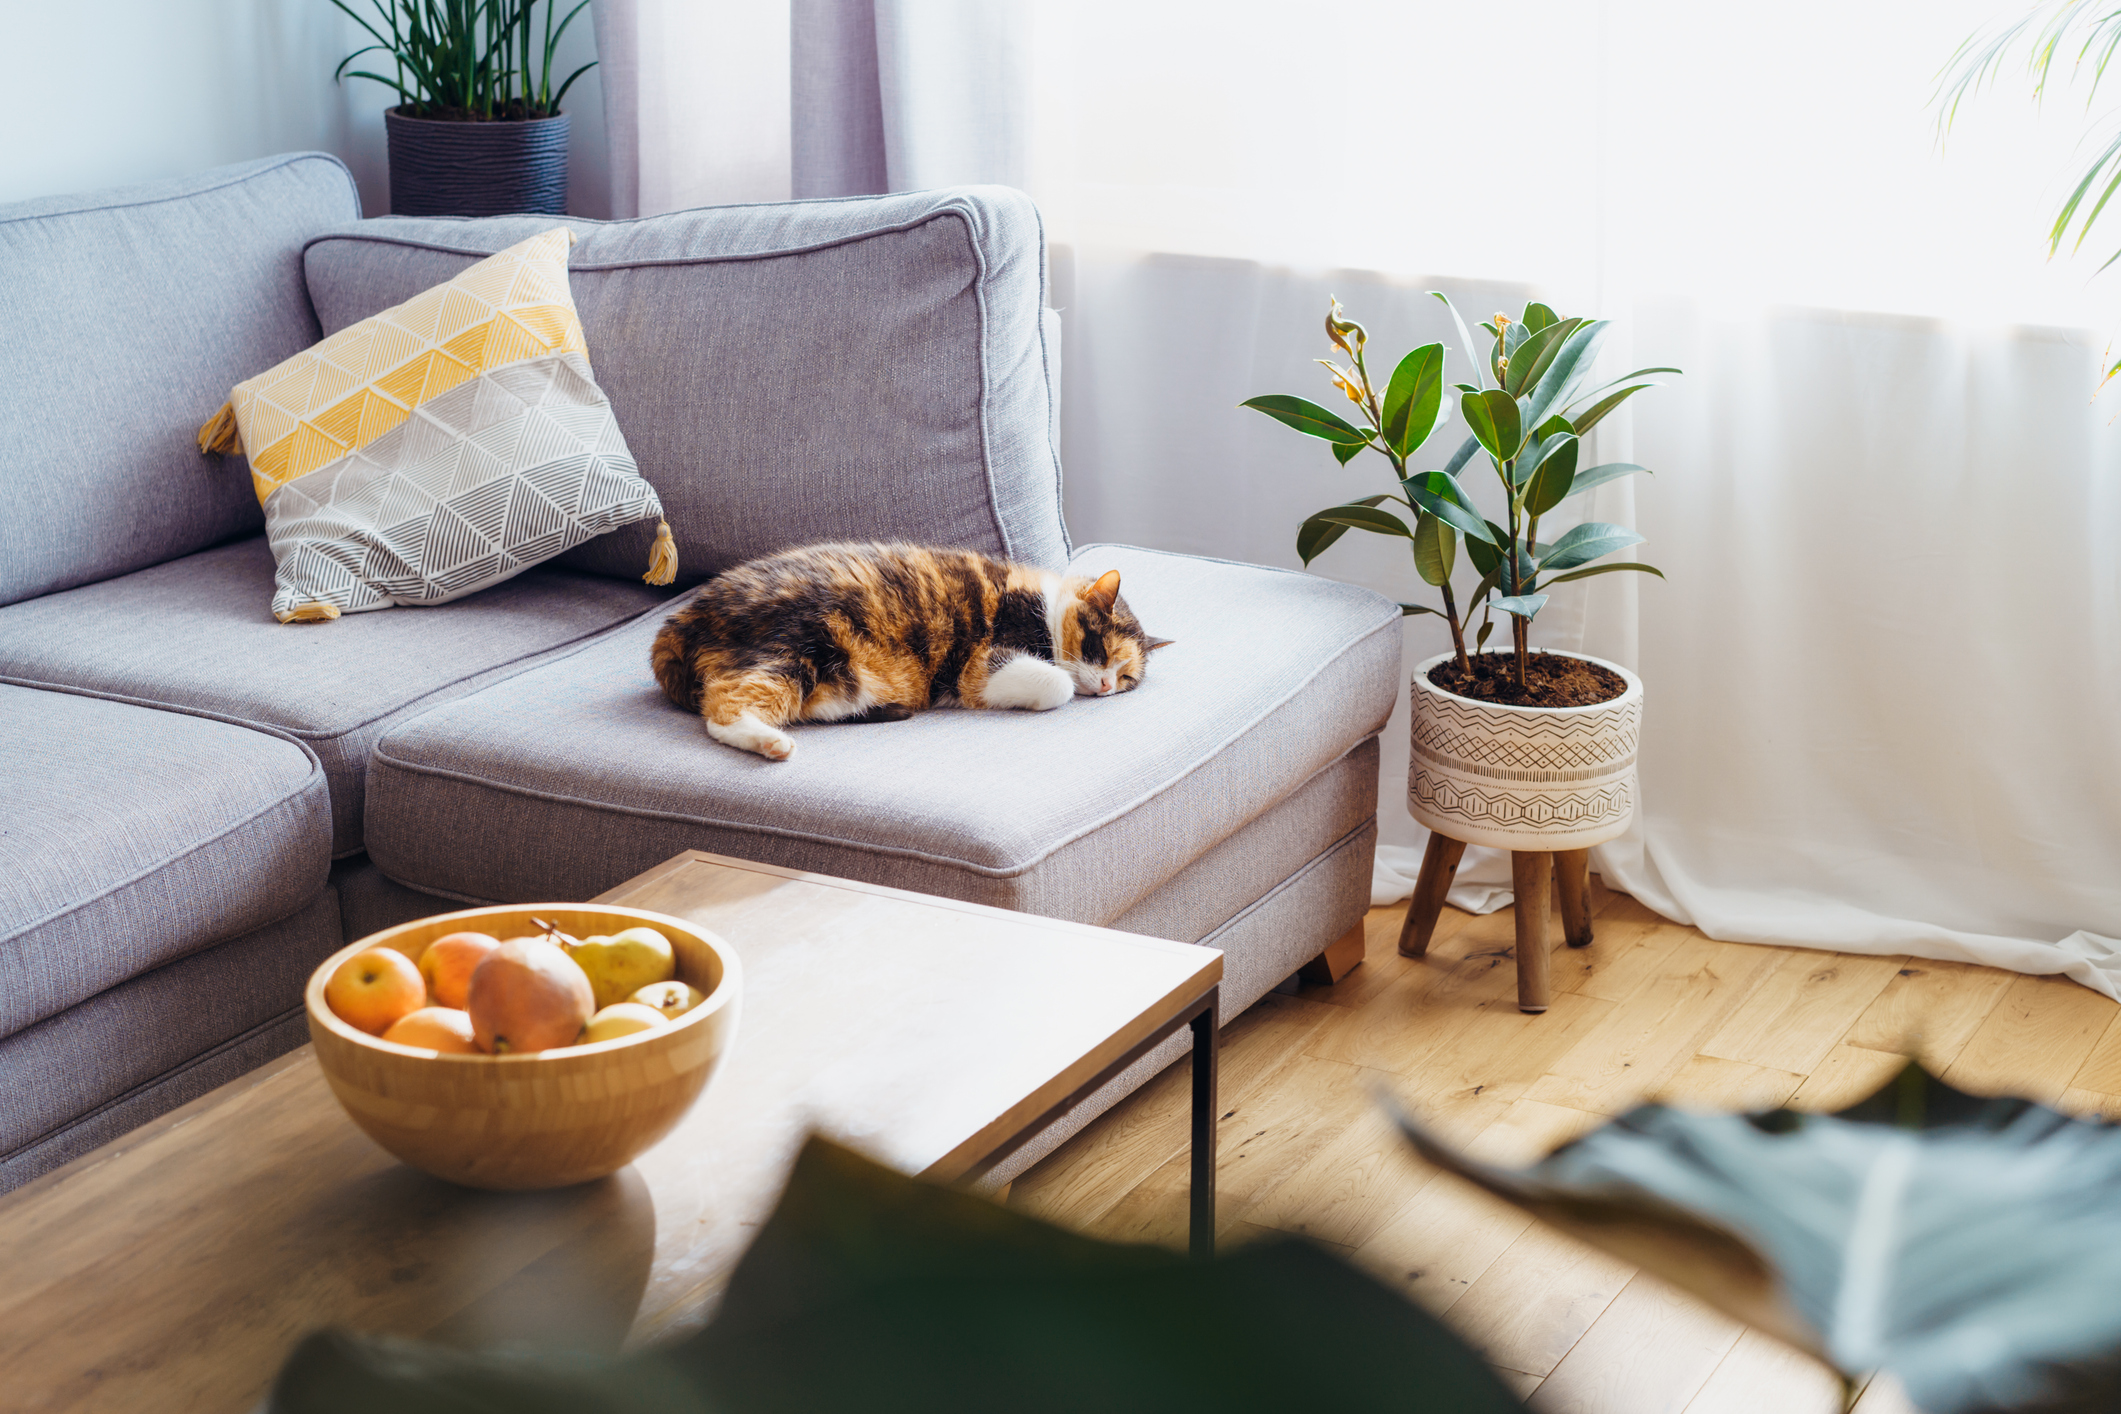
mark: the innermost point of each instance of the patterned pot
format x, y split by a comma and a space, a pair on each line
1523, 778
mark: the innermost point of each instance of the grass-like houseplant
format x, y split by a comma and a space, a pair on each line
1533, 753
478, 129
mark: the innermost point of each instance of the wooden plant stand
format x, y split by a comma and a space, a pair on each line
1530, 871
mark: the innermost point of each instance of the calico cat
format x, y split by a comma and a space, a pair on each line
875, 633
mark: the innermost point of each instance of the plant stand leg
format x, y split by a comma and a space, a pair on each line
1342, 956
1531, 875
1439, 866
1572, 871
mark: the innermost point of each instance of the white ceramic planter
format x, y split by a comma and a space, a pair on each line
1523, 778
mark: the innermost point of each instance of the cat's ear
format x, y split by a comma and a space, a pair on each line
1103, 594
1155, 643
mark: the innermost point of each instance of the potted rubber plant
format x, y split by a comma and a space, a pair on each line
1533, 752
478, 129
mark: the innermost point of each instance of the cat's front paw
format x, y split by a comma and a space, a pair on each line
748, 733
1029, 683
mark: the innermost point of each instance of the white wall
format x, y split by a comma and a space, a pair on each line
117, 91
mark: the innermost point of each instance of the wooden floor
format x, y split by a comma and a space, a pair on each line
1651, 1009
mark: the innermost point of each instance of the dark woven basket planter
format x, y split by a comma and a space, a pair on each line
477, 169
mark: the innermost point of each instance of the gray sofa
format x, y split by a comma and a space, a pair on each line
197, 804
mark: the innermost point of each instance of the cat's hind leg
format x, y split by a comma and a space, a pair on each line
1027, 682
747, 709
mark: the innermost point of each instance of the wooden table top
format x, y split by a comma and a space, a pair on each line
174, 1268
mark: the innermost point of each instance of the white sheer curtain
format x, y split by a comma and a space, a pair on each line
1885, 670
1884, 673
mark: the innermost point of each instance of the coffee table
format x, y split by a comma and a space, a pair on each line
175, 1267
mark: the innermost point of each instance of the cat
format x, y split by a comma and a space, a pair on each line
875, 633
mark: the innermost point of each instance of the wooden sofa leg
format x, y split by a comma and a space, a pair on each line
1439, 866
1531, 875
1572, 871
1342, 956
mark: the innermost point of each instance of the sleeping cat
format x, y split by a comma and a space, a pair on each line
875, 633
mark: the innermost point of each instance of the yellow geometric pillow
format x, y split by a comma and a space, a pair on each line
438, 447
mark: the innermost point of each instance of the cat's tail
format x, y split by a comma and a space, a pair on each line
673, 668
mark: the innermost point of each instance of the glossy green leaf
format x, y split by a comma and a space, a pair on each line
1345, 452
1494, 419
1409, 610
1413, 398
1315, 535
1524, 606
1440, 495
1483, 553
1435, 549
1571, 364
1551, 479
1607, 569
1537, 316
1306, 417
1487, 626
1586, 543
1537, 355
1595, 476
1584, 422
1360, 517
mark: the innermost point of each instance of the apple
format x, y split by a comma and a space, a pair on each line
625, 962
449, 962
672, 999
374, 988
620, 1019
528, 996
435, 1028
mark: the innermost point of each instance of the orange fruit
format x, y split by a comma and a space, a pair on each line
374, 988
449, 962
435, 1028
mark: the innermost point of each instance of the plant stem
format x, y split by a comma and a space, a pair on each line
1517, 623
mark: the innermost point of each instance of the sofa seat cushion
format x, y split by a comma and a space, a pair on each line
195, 634
136, 837
577, 775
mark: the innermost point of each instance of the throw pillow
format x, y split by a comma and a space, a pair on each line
439, 447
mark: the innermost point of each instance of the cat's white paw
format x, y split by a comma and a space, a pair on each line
1029, 683
748, 733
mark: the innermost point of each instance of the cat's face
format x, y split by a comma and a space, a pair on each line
1101, 643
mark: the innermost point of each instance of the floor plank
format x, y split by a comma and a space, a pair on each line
1650, 1352
1537, 1299
1929, 1010
1801, 1010
1761, 1375
2035, 1040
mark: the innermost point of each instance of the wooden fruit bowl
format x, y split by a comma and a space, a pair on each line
546, 1119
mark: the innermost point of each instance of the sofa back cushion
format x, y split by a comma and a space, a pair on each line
129, 314
872, 368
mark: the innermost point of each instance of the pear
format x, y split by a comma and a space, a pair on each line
623, 1019
672, 999
625, 962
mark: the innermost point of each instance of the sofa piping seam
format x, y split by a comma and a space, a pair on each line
288, 161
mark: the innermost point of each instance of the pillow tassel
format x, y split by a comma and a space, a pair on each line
220, 433
663, 556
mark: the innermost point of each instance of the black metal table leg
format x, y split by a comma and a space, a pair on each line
1206, 1044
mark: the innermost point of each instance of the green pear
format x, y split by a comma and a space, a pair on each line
625, 962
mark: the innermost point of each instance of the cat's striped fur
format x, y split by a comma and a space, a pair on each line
876, 633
